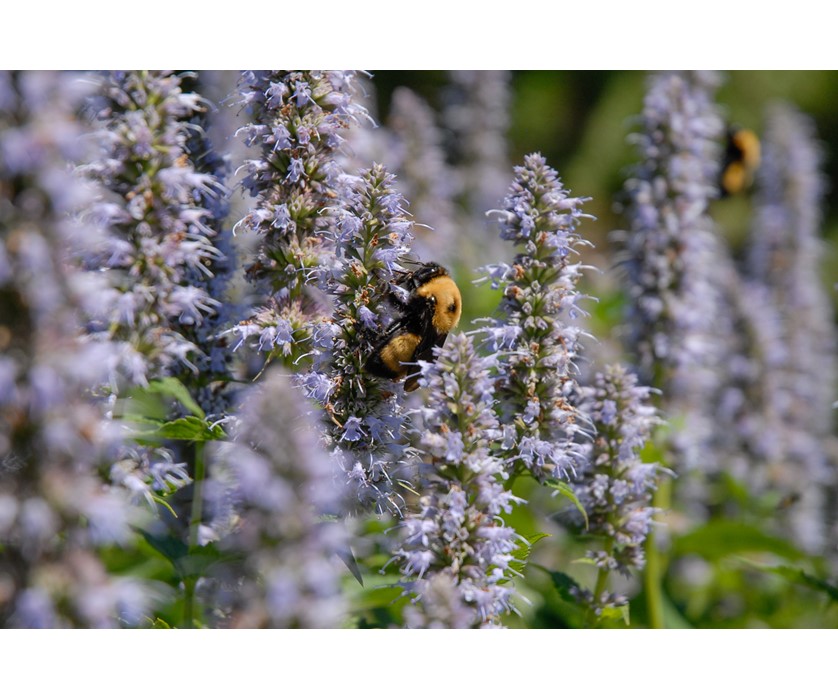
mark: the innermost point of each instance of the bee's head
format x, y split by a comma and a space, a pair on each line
433, 283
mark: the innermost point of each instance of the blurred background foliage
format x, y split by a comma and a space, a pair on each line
579, 121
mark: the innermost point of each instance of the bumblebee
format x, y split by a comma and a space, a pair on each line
741, 159
432, 309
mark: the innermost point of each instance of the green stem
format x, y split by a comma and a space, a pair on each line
194, 525
189, 603
654, 564
599, 589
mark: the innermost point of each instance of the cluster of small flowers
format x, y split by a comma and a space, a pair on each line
677, 318
477, 114
753, 443
287, 550
615, 488
456, 551
452, 164
784, 255
737, 353
417, 155
535, 334
159, 258
55, 510
742, 359
298, 121
365, 423
210, 387
165, 277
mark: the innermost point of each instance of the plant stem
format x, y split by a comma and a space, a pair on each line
599, 589
188, 603
654, 566
194, 524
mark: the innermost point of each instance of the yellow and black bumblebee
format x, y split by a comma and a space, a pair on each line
432, 308
741, 160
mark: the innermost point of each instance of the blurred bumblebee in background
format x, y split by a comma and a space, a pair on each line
741, 160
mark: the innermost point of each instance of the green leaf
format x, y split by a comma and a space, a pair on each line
197, 562
189, 428
566, 490
174, 388
149, 422
172, 548
187, 564
141, 407
735, 489
562, 583
164, 504
522, 552
721, 538
672, 617
801, 577
348, 558
537, 537
619, 613
585, 560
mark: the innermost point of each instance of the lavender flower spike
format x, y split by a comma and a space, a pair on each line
163, 211
677, 318
534, 332
477, 112
427, 180
785, 254
55, 511
364, 414
298, 119
616, 487
456, 551
284, 485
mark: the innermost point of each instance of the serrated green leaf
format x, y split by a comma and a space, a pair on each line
522, 552
135, 419
562, 583
537, 537
189, 428
567, 491
174, 388
801, 577
721, 538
